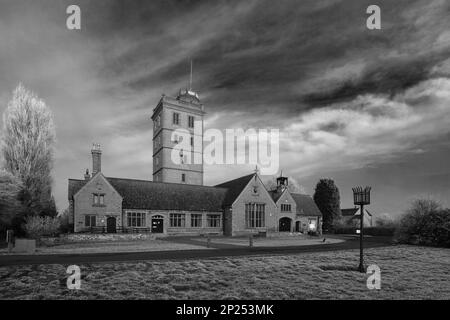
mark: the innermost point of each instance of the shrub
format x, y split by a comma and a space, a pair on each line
37, 227
385, 220
425, 223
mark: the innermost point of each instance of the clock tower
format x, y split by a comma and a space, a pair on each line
172, 116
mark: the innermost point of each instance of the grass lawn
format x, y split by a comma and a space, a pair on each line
407, 272
109, 246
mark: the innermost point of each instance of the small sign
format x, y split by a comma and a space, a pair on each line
358, 231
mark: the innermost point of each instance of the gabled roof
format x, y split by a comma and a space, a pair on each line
305, 205
349, 212
234, 188
143, 194
276, 194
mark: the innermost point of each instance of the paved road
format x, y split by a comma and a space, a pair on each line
67, 259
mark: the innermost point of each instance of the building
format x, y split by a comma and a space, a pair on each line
171, 117
176, 202
351, 216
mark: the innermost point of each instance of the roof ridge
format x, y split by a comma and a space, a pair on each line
236, 179
164, 183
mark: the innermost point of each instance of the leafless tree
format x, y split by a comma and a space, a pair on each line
27, 146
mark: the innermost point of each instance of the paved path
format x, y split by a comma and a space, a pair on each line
67, 259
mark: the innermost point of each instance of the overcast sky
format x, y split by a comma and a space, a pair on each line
369, 107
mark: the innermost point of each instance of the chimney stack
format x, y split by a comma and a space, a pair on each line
96, 159
87, 176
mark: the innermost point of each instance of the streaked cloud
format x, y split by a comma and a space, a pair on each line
345, 97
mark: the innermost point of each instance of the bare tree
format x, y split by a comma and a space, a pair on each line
28, 143
10, 205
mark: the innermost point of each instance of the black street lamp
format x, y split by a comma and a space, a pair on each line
361, 197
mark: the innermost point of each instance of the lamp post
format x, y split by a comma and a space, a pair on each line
361, 197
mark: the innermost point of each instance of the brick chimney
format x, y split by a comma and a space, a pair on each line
96, 159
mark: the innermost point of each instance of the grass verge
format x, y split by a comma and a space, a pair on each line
407, 272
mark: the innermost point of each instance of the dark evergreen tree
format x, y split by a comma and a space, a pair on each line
327, 199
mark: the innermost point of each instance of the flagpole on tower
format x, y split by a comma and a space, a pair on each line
190, 79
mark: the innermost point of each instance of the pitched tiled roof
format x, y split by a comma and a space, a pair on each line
74, 186
235, 188
305, 205
349, 212
142, 194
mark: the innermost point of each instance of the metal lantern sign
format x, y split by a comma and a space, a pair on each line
361, 197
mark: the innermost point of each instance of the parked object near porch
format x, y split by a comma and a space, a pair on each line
25, 246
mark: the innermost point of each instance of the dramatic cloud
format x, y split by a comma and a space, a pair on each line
370, 128
344, 97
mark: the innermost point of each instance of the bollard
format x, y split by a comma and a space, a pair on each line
250, 240
10, 239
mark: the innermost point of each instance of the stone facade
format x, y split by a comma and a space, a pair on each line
171, 230
286, 199
84, 203
189, 119
298, 221
254, 192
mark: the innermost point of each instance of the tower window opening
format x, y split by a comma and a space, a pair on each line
176, 118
